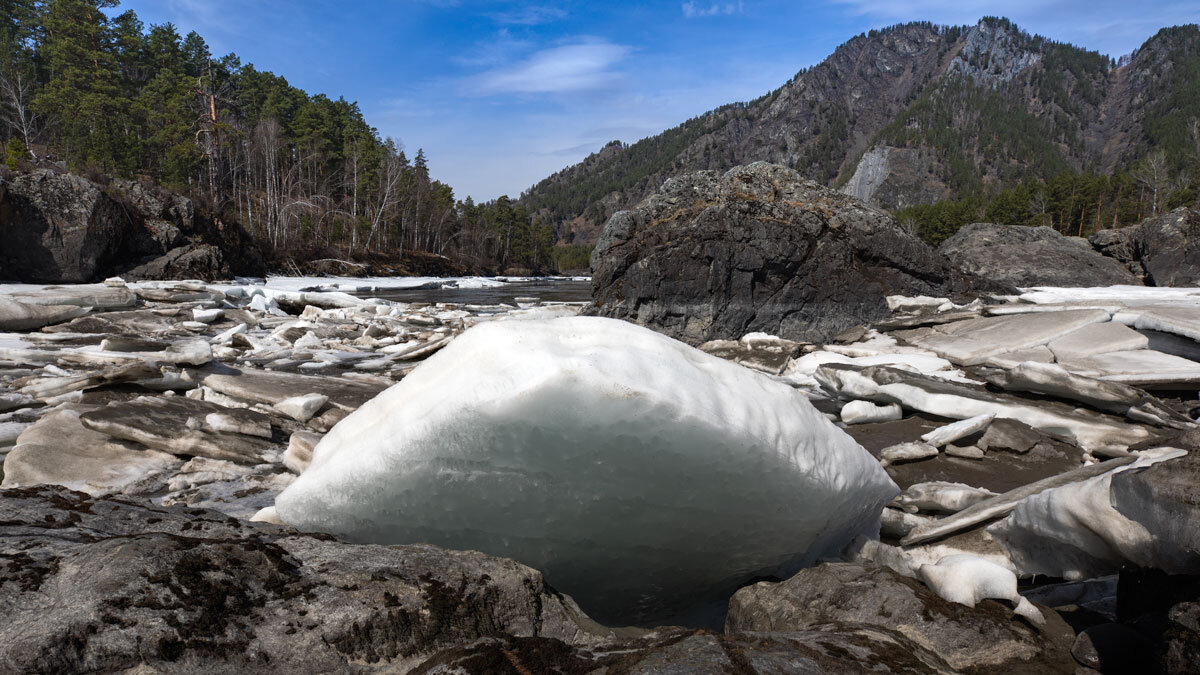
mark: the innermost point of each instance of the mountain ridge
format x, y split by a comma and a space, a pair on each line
951, 110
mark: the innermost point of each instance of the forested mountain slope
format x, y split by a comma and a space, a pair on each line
89, 89
917, 114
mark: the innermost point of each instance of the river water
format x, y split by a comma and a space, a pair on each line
544, 290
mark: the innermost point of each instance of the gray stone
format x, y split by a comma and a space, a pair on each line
114, 585
1012, 436
760, 249
1165, 247
986, 636
1031, 256
830, 648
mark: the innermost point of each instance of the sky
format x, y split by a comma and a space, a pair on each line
503, 94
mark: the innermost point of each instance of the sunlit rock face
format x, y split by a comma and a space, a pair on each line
645, 478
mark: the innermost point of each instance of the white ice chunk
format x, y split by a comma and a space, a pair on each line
642, 476
942, 496
1098, 338
1073, 531
865, 412
302, 408
967, 579
207, 315
961, 429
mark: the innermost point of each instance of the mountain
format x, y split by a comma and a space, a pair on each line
915, 114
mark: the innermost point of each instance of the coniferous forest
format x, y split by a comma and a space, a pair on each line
95, 91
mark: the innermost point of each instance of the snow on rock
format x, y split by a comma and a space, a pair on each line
967, 579
865, 412
644, 477
302, 408
942, 496
906, 452
952, 432
1074, 532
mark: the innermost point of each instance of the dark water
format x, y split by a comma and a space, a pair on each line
545, 290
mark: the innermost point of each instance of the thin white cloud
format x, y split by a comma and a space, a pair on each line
582, 66
530, 15
692, 10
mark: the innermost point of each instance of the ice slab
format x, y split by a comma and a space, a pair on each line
974, 341
958, 401
1074, 532
1142, 367
644, 477
1127, 296
1098, 338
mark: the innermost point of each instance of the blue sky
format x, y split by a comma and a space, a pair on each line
502, 94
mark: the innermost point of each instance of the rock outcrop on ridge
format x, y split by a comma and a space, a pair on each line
57, 228
1032, 256
760, 249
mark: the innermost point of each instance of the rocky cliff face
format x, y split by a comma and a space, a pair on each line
759, 249
63, 228
921, 110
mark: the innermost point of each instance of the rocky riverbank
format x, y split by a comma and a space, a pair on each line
170, 414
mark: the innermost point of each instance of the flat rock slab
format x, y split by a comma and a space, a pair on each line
176, 425
272, 387
974, 341
114, 585
59, 450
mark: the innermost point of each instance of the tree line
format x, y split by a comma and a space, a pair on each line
1074, 204
97, 92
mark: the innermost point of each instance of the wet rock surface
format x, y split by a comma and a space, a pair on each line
759, 249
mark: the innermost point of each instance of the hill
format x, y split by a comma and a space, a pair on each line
917, 114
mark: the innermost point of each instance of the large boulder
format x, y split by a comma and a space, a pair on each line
110, 585
984, 638
759, 248
1165, 248
60, 228
64, 228
190, 261
1032, 256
